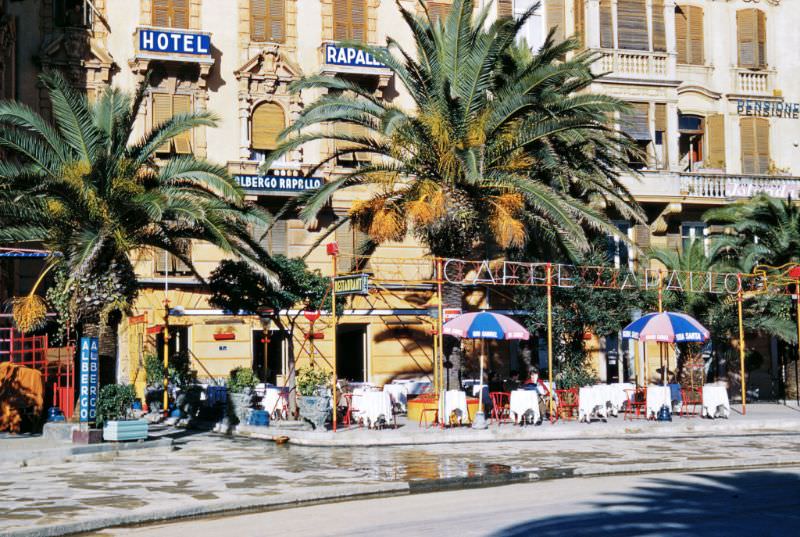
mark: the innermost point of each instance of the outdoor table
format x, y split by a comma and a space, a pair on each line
675, 394
715, 402
454, 401
398, 393
618, 395
271, 400
418, 387
658, 396
372, 406
593, 399
521, 401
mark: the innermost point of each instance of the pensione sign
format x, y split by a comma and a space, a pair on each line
763, 108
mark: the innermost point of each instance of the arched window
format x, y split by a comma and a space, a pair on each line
267, 121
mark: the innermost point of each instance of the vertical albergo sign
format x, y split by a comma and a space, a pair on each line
87, 400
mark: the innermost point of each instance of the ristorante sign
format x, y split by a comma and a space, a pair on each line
350, 57
277, 184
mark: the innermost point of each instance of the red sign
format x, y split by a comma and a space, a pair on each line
332, 248
138, 319
315, 335
155, 329
226, 336
312, 315
450, 313
794, 272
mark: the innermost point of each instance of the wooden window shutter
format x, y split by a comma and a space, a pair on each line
505, 8
641, 236
341, 20
278, 239
162, 111
162, 260
661, 126
746, 34
277, 21
438, 11
632, 25
161, 13
580, 22
715, 142
696, 40
635, 122
267, 123
747, 133
682, 33
358, 20
762, 145
554, 15
761, 36
258, 20
182, 104
180, 14
606, 25
659, 34
178, 266
345, 239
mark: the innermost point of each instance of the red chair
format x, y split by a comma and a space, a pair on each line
636, 403
500, 406
428, 424
348, 413
567, 404
691, 398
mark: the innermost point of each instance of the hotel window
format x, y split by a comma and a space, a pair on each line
274, 240
690, 232
555, 18
691, 130
751, 36
72, 13
579, 15
167, 263
165, 106
505, 8
351, 243
754, 134
632, 25
715, 142
635, 122
660, 141
268, 21
267, 122
438, 11
531, 32
606, 25
618, 253
689, 35
171, 13
350, 20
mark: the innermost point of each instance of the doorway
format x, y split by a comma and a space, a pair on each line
270, 369
352, 352
178, 341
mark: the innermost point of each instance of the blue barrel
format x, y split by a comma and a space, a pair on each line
259, 418
216, 395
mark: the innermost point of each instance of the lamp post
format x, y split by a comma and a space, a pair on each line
333, 251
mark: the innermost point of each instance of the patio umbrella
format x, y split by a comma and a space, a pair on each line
484, 325
666, 327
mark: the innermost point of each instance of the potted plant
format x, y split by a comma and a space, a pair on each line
114, 414
154, 375
241, 382
313, 401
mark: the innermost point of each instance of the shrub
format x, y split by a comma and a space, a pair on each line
114, 403
241, 378
310, 379
154, 370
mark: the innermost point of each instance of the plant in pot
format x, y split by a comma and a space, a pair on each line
240, 393
114, 414
313, 401
154, 375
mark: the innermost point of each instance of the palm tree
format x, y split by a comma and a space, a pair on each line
762, 231
503, 149
85, 187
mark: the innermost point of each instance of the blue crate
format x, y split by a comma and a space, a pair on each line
216, 395
258, 418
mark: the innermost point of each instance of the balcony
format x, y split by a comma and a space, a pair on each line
727, 186
635, 64
749, 82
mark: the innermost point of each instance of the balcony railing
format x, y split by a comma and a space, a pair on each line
722, 186
753, 82
634, 64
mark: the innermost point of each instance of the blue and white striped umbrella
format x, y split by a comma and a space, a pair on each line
667, 327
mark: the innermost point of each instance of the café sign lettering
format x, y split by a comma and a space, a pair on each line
174, 42
354, 284
349, 57
761, 108
275, 183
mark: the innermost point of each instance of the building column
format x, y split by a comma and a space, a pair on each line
614, 23
648, 12
592, 26
244, 130
669, 32
672, 135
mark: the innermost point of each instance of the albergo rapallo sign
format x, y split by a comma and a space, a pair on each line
352, 284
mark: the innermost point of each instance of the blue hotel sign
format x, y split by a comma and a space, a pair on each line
277, 184
89, 379
174, 42
349, 57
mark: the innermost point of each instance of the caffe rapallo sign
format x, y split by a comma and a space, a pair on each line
353, 284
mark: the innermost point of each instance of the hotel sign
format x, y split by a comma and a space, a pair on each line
274, 184
353, 284
89, 379
350, 57
763, 108
170, 42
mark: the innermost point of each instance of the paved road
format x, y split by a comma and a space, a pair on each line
753, 503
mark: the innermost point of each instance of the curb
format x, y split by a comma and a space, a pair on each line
322, 495
61, 454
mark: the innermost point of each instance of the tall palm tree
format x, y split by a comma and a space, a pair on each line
86, 188
503, 149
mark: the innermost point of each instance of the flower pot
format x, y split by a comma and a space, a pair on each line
122, 430
239, 404
315, 409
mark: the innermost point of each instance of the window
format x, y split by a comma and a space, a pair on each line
618, 253
632, 25
606, 25
350, 20
659, 34
351, 243
438, 11
635, 122
165, 106
555, 18
267, 122
274, 240
268, 20
691, 130
754, 134
751, 36
715, 142
690, 232
531, 31
505, 8
689, 34
580, 23
660, 142
171, 13
72, 13
167, 263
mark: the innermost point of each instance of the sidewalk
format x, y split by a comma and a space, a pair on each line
760, 418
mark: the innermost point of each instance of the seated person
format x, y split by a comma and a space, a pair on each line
535, 383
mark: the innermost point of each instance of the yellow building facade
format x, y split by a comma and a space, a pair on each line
713, 86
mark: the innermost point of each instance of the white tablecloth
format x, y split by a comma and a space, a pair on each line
414, 386
715, 402
522, 401
271, 400
454, 401
371, 406
593, 400
658, 396
398, 393
618, 395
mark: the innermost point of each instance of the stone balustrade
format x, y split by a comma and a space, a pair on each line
721, 186
635, 64
753, 82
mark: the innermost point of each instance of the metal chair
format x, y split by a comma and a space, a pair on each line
636, 403
567, 407
500, 406
691, 398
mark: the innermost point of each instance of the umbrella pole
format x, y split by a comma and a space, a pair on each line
550, 340
636, 365
480, 384
741, 349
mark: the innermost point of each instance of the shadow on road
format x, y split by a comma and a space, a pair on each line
762, 503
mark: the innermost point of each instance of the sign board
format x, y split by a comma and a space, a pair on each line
174, 42
260, 184
353, 284
450, 313
764, 108
89, 379
350, 57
